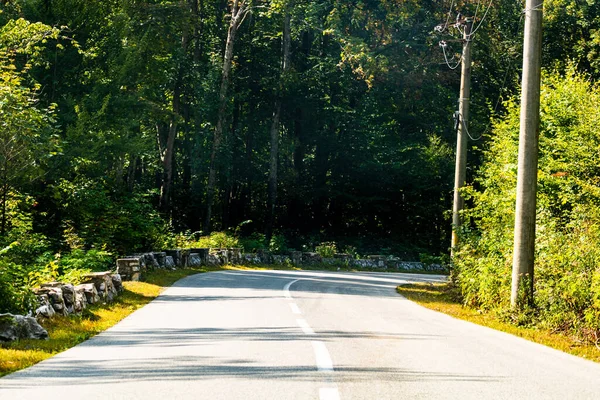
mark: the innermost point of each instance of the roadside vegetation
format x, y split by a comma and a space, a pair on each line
444, 298
567, 268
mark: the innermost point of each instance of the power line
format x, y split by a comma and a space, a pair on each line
443, 45
482, 19
467, 129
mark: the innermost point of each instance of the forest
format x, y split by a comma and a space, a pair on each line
133, 125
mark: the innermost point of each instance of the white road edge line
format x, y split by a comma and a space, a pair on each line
305, 327
329, 394
324, 363
286, 289
295, 308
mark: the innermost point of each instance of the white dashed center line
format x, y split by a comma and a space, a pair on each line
295, 308
329, 394
322, 357
305, 327
324, 363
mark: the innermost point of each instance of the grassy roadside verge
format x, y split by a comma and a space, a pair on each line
70, 331
438, 297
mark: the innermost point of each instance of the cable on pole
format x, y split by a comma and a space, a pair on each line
462, 122
482, 19
443, 45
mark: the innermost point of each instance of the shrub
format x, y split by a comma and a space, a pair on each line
567, 270
326, 249
254, 242
217, 240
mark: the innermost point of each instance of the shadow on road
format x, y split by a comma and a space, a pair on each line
198, 368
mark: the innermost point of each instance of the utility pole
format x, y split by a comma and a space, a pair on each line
460, 175
525, 213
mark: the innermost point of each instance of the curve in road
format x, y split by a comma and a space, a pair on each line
302, 335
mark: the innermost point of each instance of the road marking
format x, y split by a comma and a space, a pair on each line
286, 289
324, 363
295, 308
322, 357
329, 394
305, 327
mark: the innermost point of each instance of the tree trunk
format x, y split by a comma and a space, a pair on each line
238, 13
167, 158
131, 172
272, 186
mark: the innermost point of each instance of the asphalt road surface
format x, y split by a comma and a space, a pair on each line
301, 335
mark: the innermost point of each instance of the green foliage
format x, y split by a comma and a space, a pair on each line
217, 240
15, 294
128, 223
253, 242
93, 260
326, 249
278, 244
568, 221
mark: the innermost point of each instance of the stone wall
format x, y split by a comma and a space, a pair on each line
133, 267
59, 298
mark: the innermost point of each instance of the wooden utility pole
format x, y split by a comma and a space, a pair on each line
460, 175
525, 213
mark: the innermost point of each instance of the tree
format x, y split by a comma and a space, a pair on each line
239, 11
275, 126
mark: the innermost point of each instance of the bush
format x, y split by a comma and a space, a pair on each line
256, 241
326, 249
567, 275
217, 240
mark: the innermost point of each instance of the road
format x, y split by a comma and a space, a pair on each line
301, 335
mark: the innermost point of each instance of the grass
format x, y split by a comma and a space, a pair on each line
66, 332
440, 298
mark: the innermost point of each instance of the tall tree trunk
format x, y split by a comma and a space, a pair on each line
167, 157
238, 13
133, 159
274, 159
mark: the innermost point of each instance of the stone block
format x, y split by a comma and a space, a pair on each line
281, 260
90, 292
68, 291
234, 255
130, 268
379, 260
213, 260
80, 300
117, 282
44, 309
265, 256
343, 258
160, 257
176, 255
311, 258
55, 298
250, 258
13, 327
202, 253
194, 260
103, 283
296, 257
185, 258
169, 263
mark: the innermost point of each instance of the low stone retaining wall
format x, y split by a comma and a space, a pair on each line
133, 267
59, 298
65, 298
